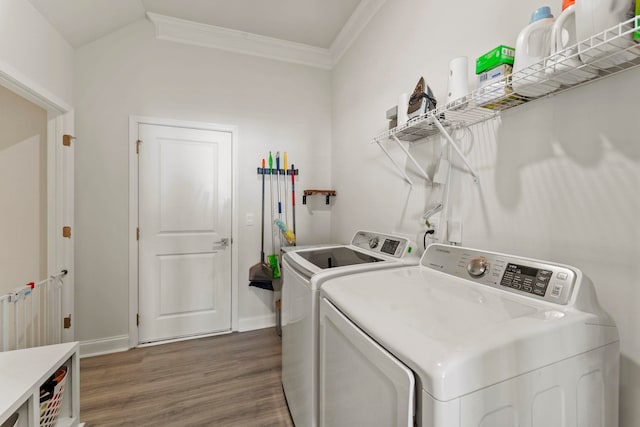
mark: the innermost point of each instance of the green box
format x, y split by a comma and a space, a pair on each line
500, 55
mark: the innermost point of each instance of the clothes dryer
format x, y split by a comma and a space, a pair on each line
468, 338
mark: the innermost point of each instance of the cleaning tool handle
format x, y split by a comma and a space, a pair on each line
270, 163
278, 182
262, 222
285, 163
293, 196
293, 186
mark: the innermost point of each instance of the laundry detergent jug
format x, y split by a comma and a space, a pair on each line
594, 17
532, 47
564, 65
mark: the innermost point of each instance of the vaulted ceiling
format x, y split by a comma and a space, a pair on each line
312, 22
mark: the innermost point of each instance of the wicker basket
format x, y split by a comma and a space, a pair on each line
50, 409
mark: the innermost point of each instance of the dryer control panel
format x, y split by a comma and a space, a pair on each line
523, 276
387, 244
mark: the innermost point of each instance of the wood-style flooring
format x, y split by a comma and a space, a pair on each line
227, 380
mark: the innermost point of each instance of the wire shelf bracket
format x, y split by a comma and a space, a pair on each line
449, 139
395, 163
607, 53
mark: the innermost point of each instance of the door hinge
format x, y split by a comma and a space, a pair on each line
67, 322
66, 232
66, 140
138, 142
137, 319
137, 233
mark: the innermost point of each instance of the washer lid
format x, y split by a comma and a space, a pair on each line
459, 336
338, 256
368, 251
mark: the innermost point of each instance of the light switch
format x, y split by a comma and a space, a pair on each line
251, 219
455, 231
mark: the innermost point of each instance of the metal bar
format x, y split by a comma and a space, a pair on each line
31, 322
47, 315
36, 320
410, 156
5, 323
16, 324
24, 321
455, 147
58, 319
404, 174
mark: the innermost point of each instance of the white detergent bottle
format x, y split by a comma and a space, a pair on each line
532, 47
564, 64
593, 18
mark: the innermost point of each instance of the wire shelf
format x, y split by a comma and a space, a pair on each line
605, 54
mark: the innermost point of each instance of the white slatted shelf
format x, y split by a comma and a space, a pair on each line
611, 48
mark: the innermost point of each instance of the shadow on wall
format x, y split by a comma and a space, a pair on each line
580, 124
629, 387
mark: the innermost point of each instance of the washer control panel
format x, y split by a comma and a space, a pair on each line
532, 278
528, 279
387, 244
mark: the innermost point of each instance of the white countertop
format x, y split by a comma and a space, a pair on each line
23, 371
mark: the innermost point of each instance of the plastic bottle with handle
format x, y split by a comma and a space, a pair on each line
594, 17
564, 65
532, 47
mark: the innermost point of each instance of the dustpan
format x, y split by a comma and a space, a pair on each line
261, 276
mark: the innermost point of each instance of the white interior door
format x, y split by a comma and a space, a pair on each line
185, 232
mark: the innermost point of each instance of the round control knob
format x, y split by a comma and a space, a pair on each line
373, 242
478, 266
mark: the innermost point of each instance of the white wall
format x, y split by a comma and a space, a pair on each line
23, 191
277, 106
559, 178
31, 49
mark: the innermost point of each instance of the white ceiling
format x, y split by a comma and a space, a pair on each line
311, 22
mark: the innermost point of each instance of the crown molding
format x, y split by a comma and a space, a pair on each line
211, 36
365, 11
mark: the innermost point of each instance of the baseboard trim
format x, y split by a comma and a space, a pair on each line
187, 338
102, 346
258, 322
120, 343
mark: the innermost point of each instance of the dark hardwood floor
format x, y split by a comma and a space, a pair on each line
228, 380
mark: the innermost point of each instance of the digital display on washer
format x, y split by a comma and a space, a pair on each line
389, 246
528, 279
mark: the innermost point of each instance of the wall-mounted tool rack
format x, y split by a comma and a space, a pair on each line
265, 171
327, 193
609, 47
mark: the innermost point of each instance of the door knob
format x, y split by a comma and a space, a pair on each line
224, 242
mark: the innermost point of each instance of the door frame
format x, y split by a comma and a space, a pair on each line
134, 284
60, 183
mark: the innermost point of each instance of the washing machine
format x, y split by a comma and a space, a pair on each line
304, 270
468, 338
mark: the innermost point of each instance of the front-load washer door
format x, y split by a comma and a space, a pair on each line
361, 384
